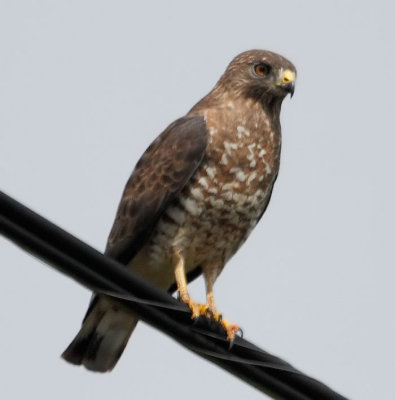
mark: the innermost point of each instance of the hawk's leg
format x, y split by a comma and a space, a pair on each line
181, 280
230, 329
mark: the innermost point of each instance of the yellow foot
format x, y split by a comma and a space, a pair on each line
197, 309
230, 329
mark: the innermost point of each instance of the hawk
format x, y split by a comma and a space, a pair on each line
193, 198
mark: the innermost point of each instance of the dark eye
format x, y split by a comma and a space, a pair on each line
262, 69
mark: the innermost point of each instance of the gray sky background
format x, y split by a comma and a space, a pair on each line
85, 86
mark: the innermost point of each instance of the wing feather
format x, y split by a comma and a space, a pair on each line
160, 174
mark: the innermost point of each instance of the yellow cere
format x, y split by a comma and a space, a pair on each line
288, 76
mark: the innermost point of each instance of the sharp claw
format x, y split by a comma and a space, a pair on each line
217, 317
239, 333
230, 329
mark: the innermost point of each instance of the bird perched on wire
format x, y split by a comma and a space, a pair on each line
193, 198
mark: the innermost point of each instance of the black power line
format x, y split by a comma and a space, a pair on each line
90, 268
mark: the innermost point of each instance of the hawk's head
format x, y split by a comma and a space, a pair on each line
260, 74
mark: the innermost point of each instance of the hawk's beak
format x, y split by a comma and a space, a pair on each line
287, 81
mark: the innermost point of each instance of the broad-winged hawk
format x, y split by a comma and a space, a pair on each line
194, 197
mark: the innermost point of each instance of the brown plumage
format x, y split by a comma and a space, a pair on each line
194, 197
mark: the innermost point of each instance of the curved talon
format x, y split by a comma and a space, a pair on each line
216, 316
230, 329
232, 341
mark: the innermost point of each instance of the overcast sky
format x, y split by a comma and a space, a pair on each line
85, 86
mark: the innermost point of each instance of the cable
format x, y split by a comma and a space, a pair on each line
92, 269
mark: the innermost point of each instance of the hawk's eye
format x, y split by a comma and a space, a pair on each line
262, 69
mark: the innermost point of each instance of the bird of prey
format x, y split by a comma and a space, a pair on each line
193, 198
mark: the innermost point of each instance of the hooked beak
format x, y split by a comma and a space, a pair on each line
287, 81
290, 88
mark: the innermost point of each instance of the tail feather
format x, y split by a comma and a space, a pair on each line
102, 338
